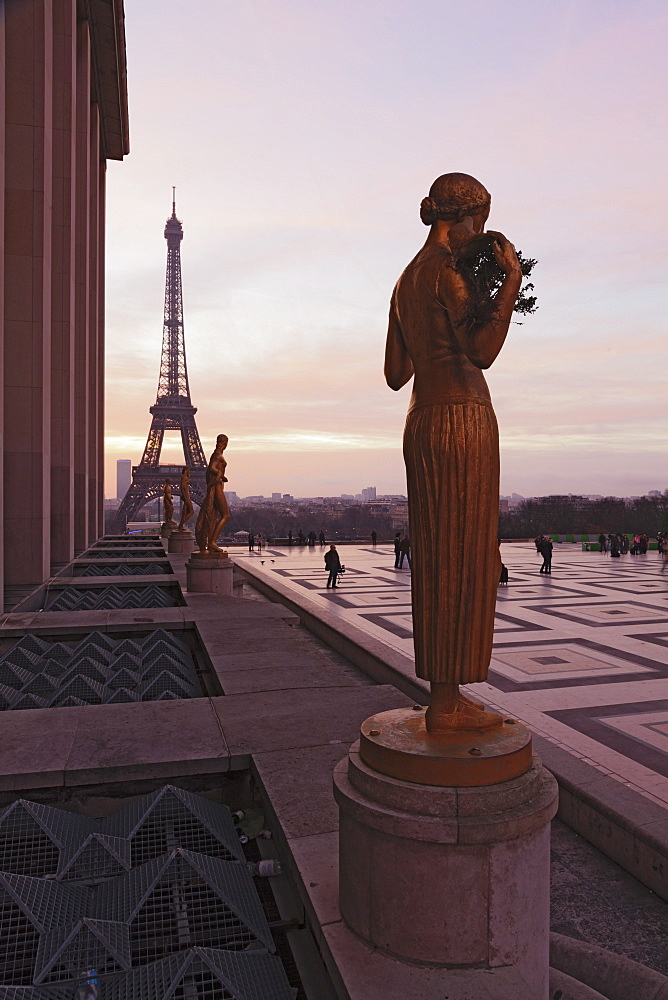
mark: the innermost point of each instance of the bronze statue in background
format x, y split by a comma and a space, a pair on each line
214, 512
442, 336
186, 502
168, 502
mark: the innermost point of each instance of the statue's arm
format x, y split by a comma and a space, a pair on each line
398, 365
481, 343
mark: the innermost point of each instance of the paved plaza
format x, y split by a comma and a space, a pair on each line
581, 656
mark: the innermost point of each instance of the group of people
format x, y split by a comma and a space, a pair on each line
303, 539
402, 550
255, 542
544, 548
617, 544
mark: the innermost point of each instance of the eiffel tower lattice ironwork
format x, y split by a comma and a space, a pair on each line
173, 409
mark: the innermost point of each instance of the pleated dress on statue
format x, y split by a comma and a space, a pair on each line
451, 450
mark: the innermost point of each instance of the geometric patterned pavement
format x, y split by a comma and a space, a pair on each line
581, 656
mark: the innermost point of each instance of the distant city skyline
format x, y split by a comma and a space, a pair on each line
368, 493
301, 139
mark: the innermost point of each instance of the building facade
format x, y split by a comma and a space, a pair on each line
63, 113
123, 477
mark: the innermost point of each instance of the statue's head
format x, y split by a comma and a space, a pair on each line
221, 441
453, 197
186, 470
168, 482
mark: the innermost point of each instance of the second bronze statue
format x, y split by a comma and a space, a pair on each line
186, 501
168, 502
440, 335
214, 512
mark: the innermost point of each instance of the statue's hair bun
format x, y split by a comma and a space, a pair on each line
428, 211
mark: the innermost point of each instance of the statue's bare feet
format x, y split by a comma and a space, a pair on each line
464, 718
471, 702
451, 711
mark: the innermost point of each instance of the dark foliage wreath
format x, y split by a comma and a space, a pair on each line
485, 277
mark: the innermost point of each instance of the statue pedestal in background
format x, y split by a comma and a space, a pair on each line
181, 540
167, 528
210, 573
451, 876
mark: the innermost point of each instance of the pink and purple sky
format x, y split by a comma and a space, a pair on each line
301, 138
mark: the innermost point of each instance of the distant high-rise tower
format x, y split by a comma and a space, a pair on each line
123, 476
173, 409
368, 493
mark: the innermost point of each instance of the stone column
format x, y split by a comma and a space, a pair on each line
27, 343
62, 284
452, 877
2, 286
81, 305
92, 372
99, 430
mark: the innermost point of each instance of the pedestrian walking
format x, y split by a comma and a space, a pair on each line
546, 552
251, 541
663, 552
332, 565
397, 549
322, 537
374, 538
405, 551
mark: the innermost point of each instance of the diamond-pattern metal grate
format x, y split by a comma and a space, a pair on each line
78, 599
36, 673
181, 924
125, 569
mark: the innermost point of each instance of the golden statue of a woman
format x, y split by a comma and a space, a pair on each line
168, 502
214, 512
442, 336
186, 502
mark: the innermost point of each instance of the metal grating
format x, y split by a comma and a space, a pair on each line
205, 974
182, 924
173, 817
123, 569
78, 599
66, 846
35, 673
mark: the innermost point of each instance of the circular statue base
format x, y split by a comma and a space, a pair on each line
454, 877
210, 573
398, 744
181, 540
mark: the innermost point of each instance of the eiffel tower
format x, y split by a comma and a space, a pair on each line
173, 409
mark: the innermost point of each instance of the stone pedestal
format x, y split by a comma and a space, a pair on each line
210, 574
456, 877
181, 541
167, 528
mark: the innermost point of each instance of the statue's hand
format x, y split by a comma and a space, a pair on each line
506, 256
